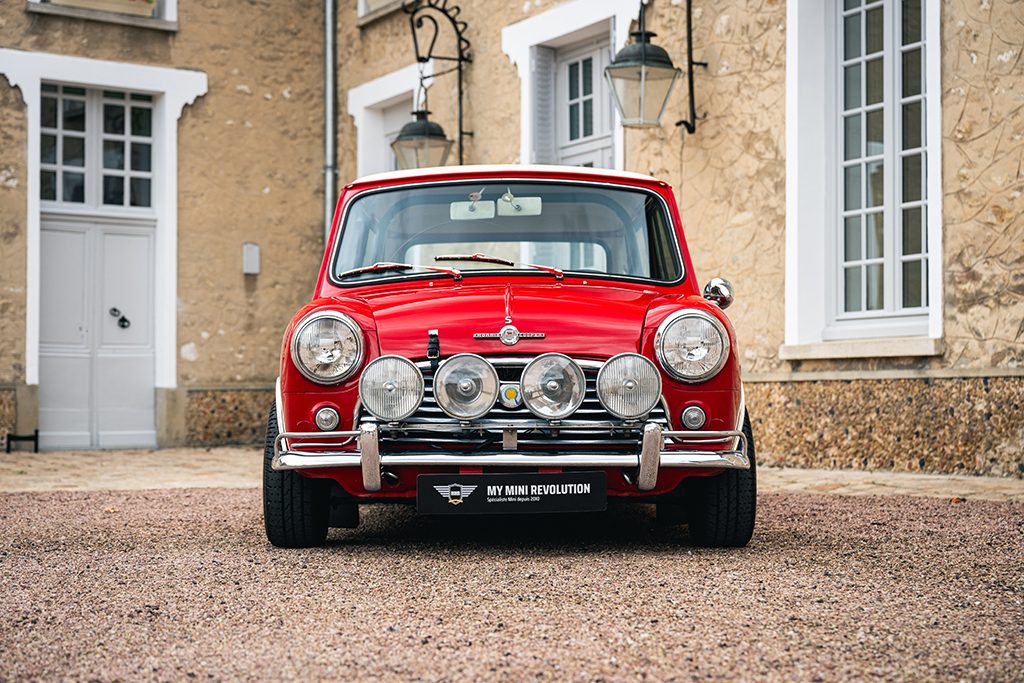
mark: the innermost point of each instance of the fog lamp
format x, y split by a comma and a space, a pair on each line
391, 388
629, 386
466, 386
553, 386
326, 419
693, 417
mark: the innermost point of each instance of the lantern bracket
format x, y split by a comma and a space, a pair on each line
423, 15
689, 124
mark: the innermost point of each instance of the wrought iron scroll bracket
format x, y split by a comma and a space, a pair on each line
690, 124
423, 14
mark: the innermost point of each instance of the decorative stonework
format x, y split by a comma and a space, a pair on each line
216, 417
6, 415
961, 426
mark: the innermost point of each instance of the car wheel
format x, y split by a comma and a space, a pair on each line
296, 509
721, 509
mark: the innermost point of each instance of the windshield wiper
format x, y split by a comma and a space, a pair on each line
557, 272
484, 258
390, 265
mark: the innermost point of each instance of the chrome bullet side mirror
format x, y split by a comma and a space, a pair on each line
719, 291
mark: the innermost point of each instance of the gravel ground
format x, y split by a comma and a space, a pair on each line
176, 584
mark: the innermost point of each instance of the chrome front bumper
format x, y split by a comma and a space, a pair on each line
315, 450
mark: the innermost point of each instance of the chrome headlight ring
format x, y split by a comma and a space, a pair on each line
346, 322
663, 335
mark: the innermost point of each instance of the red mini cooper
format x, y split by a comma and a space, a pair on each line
509, 339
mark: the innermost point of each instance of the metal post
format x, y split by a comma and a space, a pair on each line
330, 144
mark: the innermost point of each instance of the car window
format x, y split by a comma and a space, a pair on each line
590, 229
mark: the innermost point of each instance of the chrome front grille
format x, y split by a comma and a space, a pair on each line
591, 428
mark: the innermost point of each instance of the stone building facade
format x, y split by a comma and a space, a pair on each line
880, 316
235, 92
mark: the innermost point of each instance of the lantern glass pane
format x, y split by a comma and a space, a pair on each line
422, 153
641, 92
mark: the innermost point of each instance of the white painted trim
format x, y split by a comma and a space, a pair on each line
366, 104
810, 192
875, 375
548, 27
889, 347
933, 136
169, 9
806, 87
172, 90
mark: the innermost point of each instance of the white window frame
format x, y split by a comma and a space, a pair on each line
812, 157
563, 25
172, 89
167, 14
602, 139
93, 170
366, 104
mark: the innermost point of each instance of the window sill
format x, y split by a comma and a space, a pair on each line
379, 13
863, 348
97, 15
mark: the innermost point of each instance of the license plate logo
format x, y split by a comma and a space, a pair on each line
455, 493
441, 494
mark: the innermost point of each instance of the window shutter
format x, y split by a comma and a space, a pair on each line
543, 62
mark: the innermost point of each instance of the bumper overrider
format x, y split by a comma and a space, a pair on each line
316, 450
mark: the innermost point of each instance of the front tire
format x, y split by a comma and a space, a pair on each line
296, 509
721, 509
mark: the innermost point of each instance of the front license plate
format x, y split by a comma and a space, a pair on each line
476, 494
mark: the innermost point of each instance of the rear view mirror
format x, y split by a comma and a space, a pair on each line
471, 211
518, 206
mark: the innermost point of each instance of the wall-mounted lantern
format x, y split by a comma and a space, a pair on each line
422, 143
642, 75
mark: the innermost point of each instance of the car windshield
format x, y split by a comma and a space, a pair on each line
481, 226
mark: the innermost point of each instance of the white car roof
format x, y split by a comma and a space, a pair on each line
510, 169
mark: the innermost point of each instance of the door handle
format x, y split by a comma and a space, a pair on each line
122, 322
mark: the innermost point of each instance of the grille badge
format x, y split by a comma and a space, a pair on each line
510, 396
509, 335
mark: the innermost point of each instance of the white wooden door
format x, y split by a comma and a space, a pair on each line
96, 380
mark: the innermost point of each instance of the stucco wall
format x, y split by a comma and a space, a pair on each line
12, 235
730, 176
983, 199
250, 158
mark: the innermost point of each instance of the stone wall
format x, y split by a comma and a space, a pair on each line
250, 160
958, 426
12, 236
7, 415
983, 186
216, 417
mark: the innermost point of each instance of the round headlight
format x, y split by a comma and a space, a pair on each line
466, 386
629, 386
692, 345
391, 388
327, 347
553, 386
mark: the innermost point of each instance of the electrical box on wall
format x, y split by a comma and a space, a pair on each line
250, 258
